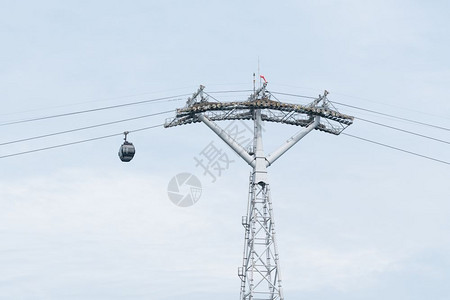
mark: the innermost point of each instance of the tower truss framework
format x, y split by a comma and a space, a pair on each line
260, 271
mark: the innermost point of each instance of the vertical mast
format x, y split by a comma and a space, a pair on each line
260, 271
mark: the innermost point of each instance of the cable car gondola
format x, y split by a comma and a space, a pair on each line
127, 150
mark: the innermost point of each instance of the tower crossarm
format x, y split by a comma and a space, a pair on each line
332, 121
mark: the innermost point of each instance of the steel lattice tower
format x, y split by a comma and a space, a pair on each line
260, 272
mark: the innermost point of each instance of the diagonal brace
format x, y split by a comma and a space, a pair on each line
291, 142
228, 139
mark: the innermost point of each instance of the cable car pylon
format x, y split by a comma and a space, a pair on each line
260, 272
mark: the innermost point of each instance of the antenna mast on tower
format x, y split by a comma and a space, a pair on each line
260, 272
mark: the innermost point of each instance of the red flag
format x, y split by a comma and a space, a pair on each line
263, 78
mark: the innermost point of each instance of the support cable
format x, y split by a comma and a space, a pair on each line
392, 116
293, 95
369, 110
79, 142
398, 149
403, 130
209, 95
155, 126
83, 128
173, 98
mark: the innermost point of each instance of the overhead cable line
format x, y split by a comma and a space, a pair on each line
398, 149
403, 130
78, 142
395, 106
274, 97
368, 110
293, 95
207, 94
392, 116
173, 98
83, 128
155, 126
115, 106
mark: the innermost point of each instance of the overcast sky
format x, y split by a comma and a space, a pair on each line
354, 220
